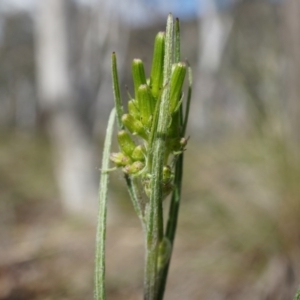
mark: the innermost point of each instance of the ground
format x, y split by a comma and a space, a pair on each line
232, 243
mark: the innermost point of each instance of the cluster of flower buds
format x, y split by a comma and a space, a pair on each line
143, 111
131, 157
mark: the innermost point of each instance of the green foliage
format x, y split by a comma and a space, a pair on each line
297, 296
151, 143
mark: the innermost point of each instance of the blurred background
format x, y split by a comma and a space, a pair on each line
239, 225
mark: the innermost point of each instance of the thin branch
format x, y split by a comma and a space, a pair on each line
172, 221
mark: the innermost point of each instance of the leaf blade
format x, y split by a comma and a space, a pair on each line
101, 226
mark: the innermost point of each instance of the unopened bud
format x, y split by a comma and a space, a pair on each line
183, 142
138, 74
138, 153
177, 79
133, 109
167, 174
134, 168
177, 144
120, 159
146, 105
156, 77
134, 126
126, 144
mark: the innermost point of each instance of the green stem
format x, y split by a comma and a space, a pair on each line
136, 198
155, 215
172, 221
101, 227
176, 196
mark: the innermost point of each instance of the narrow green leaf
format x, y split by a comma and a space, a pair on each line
177, 42
116, 91
189, 97
101, 227
177, 59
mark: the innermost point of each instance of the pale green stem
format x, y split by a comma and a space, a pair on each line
136, 199
172, 221
176, 197
155, 216
101, 227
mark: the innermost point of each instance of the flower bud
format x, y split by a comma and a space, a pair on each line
138, 74
139, 153
134, 168
183, 142
126, 144
134, 126
120, 159
164, 252
146, 104
156, 77
177, 145
177, 79
167, 174
133, 109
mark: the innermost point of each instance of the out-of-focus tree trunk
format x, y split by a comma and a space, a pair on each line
291, 36
106, 28
214, 29
74, 155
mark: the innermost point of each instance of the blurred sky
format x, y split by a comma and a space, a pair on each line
184, 9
